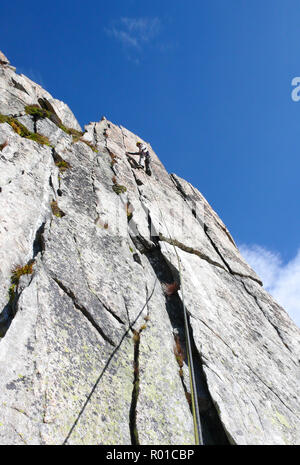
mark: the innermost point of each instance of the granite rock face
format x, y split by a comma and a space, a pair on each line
92, 347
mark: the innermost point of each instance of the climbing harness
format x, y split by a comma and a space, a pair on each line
194, 396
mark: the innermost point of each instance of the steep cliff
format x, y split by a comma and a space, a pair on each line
92, 347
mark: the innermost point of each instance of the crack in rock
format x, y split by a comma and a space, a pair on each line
89, 396
265, 384
206, 230
10, 310
108, 309
264, 314
190, 250
83, 310
212, 428
136, 376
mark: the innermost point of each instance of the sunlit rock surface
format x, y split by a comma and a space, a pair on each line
90, 339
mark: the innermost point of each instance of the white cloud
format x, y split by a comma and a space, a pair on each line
144, 29
124, 37
281, 280
134, 33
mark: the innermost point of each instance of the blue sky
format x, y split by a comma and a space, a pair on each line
206, 82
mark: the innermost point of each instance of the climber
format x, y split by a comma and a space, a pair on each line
145, 158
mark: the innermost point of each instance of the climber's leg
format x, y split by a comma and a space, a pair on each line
142, 161
148, 161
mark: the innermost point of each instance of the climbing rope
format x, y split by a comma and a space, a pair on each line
194, 396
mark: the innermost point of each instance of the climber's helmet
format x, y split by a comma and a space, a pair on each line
138, 144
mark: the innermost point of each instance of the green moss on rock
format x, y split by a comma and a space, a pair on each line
56, 210
91, 146
77, 136
43, 140
20, 271
62, 165
119, 189
72, 132
37, 112
22, 131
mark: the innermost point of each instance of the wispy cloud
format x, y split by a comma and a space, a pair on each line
124, 37
281, 280
134, 33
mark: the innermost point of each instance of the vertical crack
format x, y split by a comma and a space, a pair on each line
95, 135
15, 290
214, 432
136, 383
136, 374
180, 359
39, 242
89, 396
136, 389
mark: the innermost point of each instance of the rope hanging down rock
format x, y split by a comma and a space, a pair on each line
194, 396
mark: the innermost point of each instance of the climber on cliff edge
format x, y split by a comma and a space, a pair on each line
145, 158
